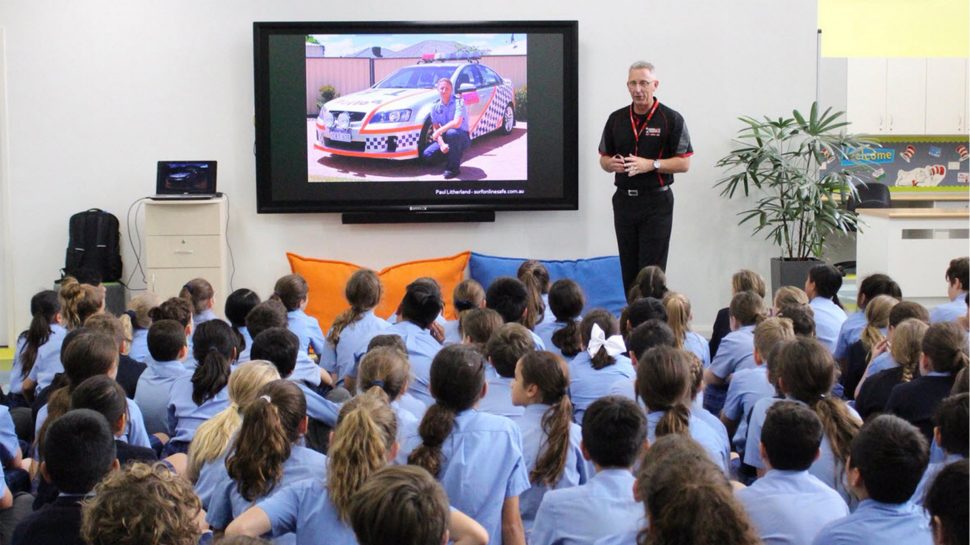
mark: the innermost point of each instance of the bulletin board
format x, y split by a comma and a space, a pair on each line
916, 163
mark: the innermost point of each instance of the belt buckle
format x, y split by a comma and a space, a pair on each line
633, 192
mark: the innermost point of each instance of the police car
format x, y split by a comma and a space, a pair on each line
392, 119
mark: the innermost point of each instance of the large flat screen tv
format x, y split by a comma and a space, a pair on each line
356, 117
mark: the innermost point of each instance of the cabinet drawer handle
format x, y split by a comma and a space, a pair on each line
185, 252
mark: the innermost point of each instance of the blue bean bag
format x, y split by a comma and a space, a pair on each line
599, 277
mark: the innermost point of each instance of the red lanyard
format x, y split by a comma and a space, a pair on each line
637, 131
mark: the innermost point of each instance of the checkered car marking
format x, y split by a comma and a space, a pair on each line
406, 141
492, 119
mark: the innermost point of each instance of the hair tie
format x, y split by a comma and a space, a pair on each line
213, 349
614, 345
463, 304
378, 383
822, 396
266, 398
187, 288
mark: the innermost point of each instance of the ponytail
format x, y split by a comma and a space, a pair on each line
78, 301
945, 345
197, 292
366, 431
568, 339
828, 281
213, 346
549, 372
877, 318
610, 327
435, 427
906, 348
534, 275
44, 307
678, 316
270, 426
663, 383
363, 291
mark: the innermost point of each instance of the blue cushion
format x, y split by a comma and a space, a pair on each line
599, 277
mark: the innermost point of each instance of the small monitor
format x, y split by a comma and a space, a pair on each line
186, 178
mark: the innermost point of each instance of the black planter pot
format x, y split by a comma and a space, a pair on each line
790, 272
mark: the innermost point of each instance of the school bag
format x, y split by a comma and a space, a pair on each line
94, 243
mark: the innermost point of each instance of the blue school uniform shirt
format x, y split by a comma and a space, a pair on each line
546, 330
498, 399
624, 538
537, 340
881, 363
48, 362
828, 321
736, 352
202, 317
412, 404
586, 384
746, 388
849, 333
247, 338
304, 508
947, 312
317, 406
789, 507
154, 391
877, 523
547, 315
422, 348
227, 503
407, 431
452, 335
716, 448
699, 346
720, 430
577, 470
580, 515
307, 328
138, 349
354, 339
826, 468
184, 416
483, 465
932, 470
134, 434
9, 443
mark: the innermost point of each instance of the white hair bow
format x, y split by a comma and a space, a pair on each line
614, 345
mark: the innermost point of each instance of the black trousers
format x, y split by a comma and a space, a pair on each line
643, 223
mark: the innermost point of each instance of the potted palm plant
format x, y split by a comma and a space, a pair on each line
802, 171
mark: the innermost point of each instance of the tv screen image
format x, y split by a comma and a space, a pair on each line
367, 117
374, 97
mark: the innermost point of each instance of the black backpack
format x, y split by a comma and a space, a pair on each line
94, 244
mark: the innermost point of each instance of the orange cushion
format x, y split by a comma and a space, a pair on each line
327, 278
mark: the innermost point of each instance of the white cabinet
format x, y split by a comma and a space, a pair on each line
186, 240
946, 96
907, 96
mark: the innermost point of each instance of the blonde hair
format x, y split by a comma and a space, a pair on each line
212, 437
770, 333
386, 368
678, 316
141, 505
140, 305
877, 318
78, 302
789, 296
366, 431
747, 280
908, 345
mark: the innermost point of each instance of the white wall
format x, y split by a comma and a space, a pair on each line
98, 91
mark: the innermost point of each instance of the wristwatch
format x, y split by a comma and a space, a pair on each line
656, 164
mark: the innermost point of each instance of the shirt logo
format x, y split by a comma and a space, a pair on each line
651, 131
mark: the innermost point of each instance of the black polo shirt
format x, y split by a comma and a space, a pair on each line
662, 133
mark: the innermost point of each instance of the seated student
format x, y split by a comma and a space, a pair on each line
196, 398
650, 282
238, 305
887, 458
15, 503
788, 296
614, 434
957, 284
166, 343
265, 455
550, 438
467, 295
478, 325
535, 276
944, 355
951, 434
104, 395
566, 301
406, 401
751, 385
39, 345
696, 399
802, 319
736, 350
199, 294
601, 364
503, 350
387, 368
906, 350
477, 456
406, 506
644, 337
664, 386
859, 354
363, 442
822, 287
87, 355
946, 503
788, 504
138, 320
678, 318
272, 313
639, 311
212, 437
871, 287
143, 505
804, 371
881, 355
129, 370
741, 281
78, 451
355, 325
509, 297
293, 291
